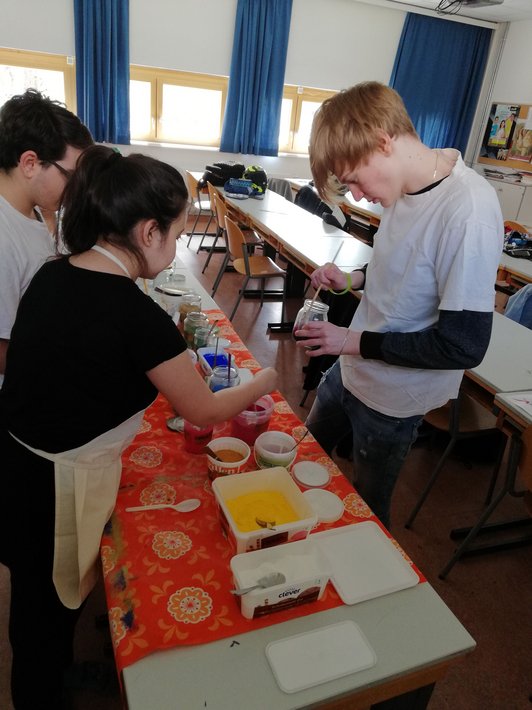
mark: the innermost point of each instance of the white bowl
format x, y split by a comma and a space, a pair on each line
275, 448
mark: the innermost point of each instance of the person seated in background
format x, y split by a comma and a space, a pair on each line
89, 351
427, 308
40, 141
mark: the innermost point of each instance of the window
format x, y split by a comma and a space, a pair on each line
297, 111
52, 74
177, 107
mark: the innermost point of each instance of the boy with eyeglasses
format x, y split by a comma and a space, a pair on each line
40, 142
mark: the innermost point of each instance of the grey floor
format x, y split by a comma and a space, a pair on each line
490, 594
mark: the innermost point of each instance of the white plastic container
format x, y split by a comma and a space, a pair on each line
222, 356
305, 567
271, 479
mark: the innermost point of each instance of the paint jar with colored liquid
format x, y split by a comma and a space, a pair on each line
253, 421
223, 377
196, 437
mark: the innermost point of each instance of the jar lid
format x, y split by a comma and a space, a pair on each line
328, 506
311, 474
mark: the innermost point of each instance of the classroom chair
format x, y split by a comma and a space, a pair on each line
460, 418
201, 206
519, 462
251, 266
252, 240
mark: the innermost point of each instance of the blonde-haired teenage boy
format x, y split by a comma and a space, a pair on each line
427, 307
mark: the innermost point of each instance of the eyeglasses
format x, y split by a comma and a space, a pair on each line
66, 173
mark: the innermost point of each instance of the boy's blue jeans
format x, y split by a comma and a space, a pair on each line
380, 442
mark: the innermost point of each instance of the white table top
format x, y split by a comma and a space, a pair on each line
408, 630
507, 365
303, 234
363, 207
519, 267
507, 402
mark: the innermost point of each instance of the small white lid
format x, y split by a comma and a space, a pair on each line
320, 655
327, 506
311, 474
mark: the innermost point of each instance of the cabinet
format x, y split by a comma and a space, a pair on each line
510, 198
524, 216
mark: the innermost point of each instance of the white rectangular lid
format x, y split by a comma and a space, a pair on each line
364, 561
320, 655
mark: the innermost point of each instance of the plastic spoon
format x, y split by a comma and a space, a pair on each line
184, 506
269, 580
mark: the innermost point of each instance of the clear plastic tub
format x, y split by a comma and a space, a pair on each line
253, 421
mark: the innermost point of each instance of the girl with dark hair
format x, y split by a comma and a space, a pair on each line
89, 352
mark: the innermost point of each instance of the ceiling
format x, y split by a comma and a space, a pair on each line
509, 11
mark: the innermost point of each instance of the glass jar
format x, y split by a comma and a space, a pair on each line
189, 302
223, 377
311, 310
205, 336
193, 321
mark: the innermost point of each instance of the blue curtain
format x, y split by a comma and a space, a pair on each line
438, 72
253, 108
102, 67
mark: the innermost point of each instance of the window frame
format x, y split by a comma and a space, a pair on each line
158, 78
298, 95
43, 60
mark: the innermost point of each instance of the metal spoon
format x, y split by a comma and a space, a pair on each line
269, 580
268, 524
212, 453
297, 443
184, 506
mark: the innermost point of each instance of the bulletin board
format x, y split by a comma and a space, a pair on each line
507, 139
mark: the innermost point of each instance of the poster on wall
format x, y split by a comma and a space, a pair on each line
499, 131
521, 146
503, 125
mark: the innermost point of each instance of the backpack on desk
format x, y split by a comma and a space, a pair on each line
219, 173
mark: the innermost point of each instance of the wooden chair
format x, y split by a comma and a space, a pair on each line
519, 461
509, 224
252, 240
201, 205
251, 266
461, 418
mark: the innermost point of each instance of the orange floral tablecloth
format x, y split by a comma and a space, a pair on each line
167, 575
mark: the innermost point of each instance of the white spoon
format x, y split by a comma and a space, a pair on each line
269, 580
184, 506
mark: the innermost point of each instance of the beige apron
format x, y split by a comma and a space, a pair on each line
86, 485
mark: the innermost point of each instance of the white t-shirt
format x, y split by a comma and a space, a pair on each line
438, 250
25, 244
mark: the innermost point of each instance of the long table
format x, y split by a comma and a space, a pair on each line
368, 212
507, 365
163, 643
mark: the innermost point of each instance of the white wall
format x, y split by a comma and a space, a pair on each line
338, 43
333, 44
514, 81
38, 25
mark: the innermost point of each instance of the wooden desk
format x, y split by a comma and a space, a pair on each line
510, 416
304, 239
516, 272
507, 365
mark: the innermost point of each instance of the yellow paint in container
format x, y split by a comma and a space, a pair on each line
270, 507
